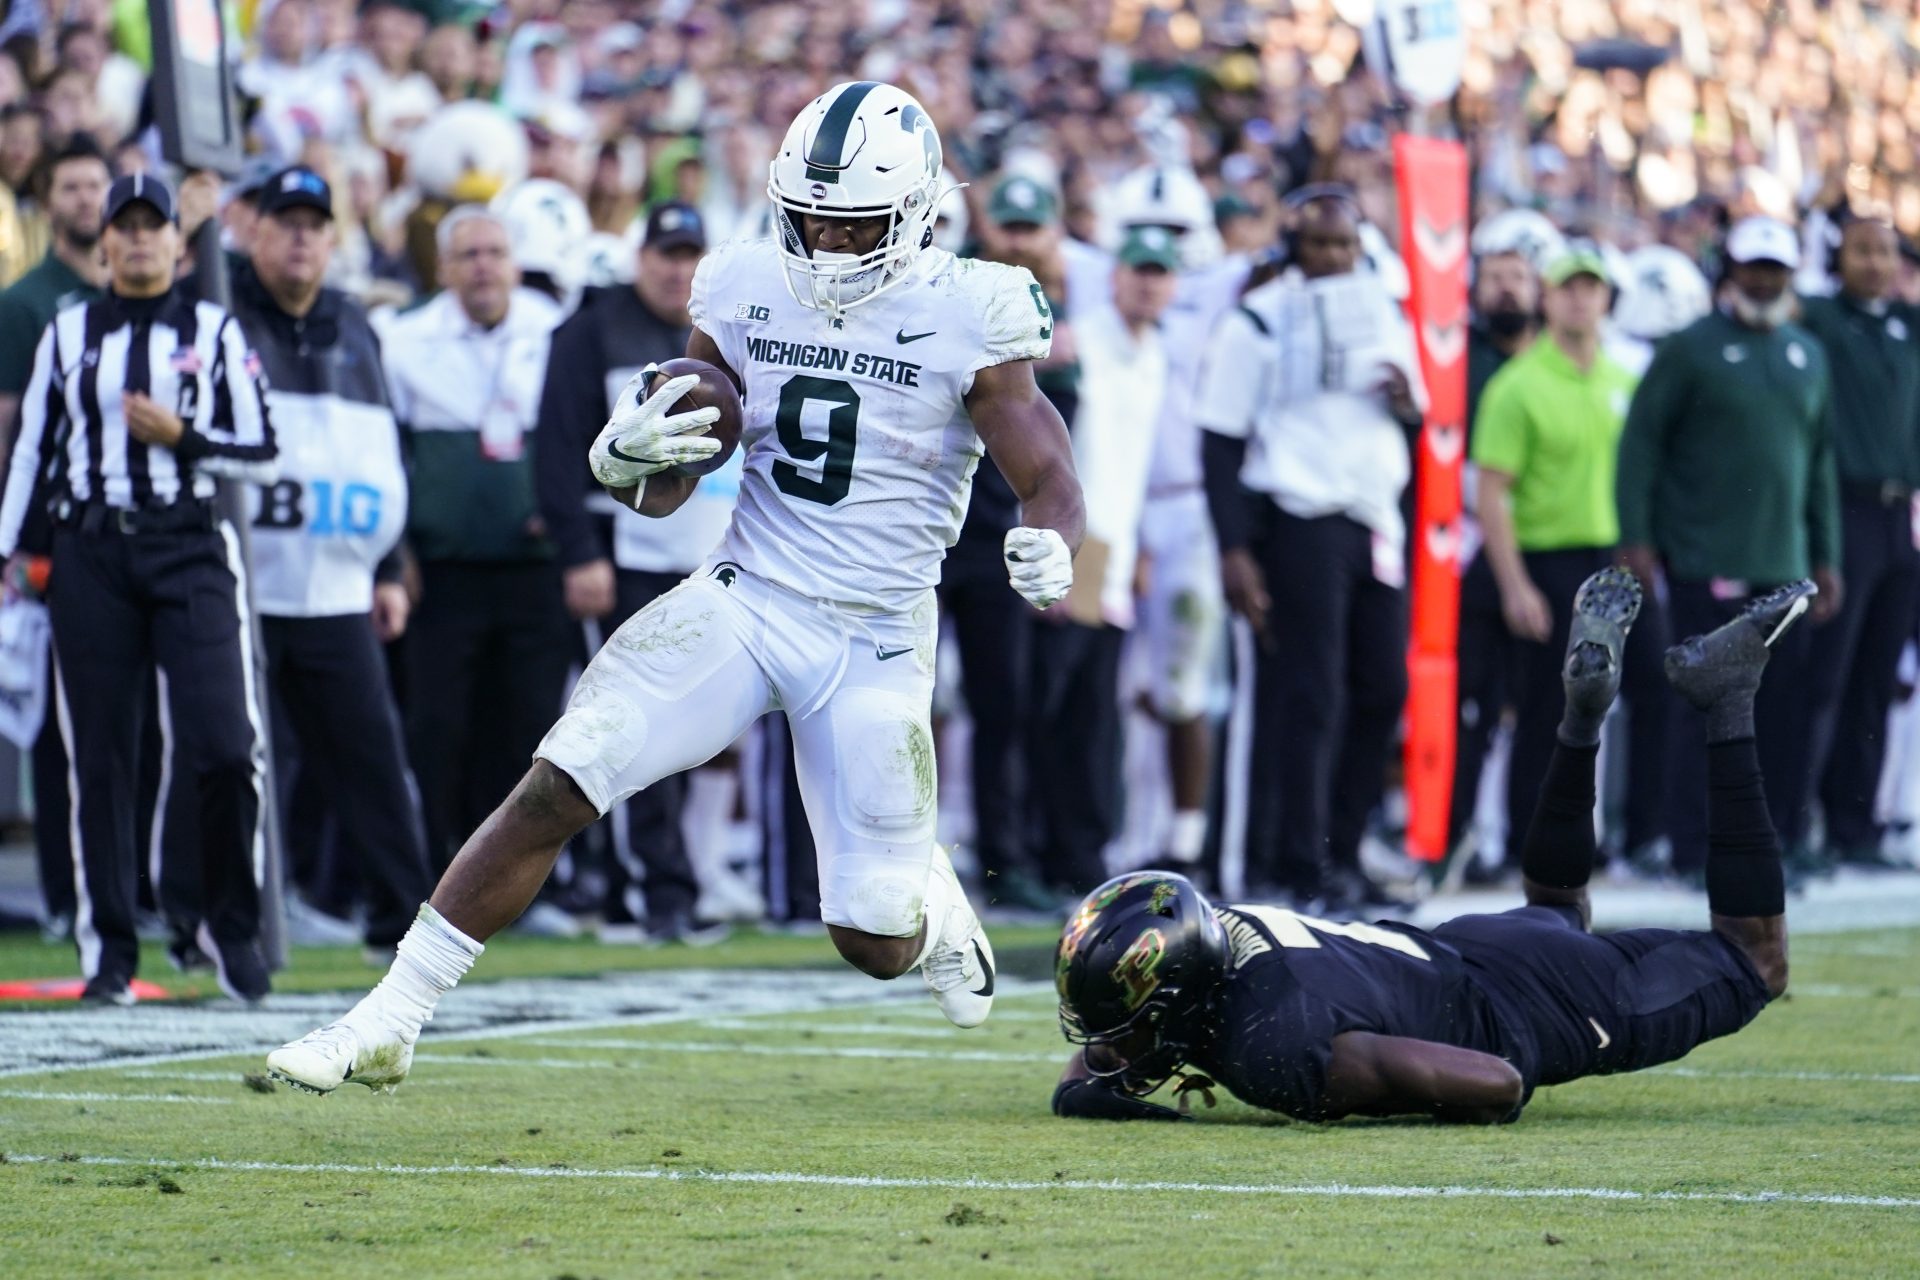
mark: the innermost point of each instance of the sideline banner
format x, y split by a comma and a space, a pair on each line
1431, 175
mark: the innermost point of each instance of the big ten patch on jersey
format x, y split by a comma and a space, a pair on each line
339, 505
675, 543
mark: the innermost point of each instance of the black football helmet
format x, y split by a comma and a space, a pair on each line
1144, 950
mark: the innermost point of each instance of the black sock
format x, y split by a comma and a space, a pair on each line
1744, 877
1560, 849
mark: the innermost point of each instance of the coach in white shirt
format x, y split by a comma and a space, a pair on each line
1077, 648
490, 642
1311, 391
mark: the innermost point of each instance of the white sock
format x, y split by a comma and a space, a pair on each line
1188, 838
429, 961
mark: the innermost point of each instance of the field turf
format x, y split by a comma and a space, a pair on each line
872, 1140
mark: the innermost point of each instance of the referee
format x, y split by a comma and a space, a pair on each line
137, 401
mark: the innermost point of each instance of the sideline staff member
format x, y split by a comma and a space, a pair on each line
136, 402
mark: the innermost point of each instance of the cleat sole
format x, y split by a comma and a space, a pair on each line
301, 1085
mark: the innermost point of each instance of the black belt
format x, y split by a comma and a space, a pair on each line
1879, 493
97, 517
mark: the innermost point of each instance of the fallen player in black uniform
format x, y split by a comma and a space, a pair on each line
1322, 1020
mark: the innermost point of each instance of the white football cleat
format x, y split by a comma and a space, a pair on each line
959, 966
321, 1061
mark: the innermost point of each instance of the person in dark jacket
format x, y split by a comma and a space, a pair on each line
616, 562
325, 539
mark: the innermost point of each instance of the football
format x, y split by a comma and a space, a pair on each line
715, 389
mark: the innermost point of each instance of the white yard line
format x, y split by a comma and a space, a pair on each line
861, 1181
745, 1050
1851, 991
39, 1095
1841, 1077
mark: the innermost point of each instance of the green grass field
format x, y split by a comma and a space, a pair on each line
872, 1140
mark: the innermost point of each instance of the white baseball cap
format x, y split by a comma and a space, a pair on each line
1760, 239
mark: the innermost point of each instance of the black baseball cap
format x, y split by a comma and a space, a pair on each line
296, 188
140, 188
675, 225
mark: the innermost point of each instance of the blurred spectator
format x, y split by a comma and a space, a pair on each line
614, 563
1873, 347
488, 646
1727, 490
1545, 446
1509, 252
1078, 643
992, 626
326, 576
1310, 392
72, 271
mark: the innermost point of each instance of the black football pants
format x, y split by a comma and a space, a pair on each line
1851, 676
330, 679
487, 656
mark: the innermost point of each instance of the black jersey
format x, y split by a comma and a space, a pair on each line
1530, 985
1297, 982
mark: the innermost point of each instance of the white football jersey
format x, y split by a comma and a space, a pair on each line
859, 454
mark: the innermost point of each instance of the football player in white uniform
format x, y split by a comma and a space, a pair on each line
873, 369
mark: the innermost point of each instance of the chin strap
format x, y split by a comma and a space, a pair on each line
1189, 1083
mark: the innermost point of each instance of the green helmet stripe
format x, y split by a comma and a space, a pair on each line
824, 160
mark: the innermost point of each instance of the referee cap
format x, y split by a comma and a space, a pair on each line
140, 188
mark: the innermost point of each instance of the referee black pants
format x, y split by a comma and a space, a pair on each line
1328, 690
122, 603
487, 655
330, 680
649, 847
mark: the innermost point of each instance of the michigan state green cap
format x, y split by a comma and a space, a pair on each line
1020, 199
1150, 247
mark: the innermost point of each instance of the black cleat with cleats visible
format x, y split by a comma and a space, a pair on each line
1603, 612
1719, 672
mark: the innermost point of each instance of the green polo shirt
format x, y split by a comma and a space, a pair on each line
1874, 352
25, 311
1556, 431
1726, 465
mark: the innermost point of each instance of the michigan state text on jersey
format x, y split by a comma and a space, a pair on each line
874, 370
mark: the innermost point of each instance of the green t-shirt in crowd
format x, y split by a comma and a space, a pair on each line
1726, 465
25, 311
1874, 351
1556, 431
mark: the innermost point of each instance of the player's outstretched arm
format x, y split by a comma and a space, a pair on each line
1375, 1075
1081, 1095
1028, 442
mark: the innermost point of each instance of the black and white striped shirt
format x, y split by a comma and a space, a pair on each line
188, 356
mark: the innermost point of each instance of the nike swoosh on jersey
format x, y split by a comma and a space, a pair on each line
903, 337
884, 654
986, 988
1600, 1031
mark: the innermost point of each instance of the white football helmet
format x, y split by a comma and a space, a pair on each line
860, 150
1521, 231
547, 223
1165, 196
1662, 291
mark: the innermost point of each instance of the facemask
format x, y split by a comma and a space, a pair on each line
1756, 315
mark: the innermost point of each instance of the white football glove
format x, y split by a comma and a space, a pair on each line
641, 440
1038, 565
